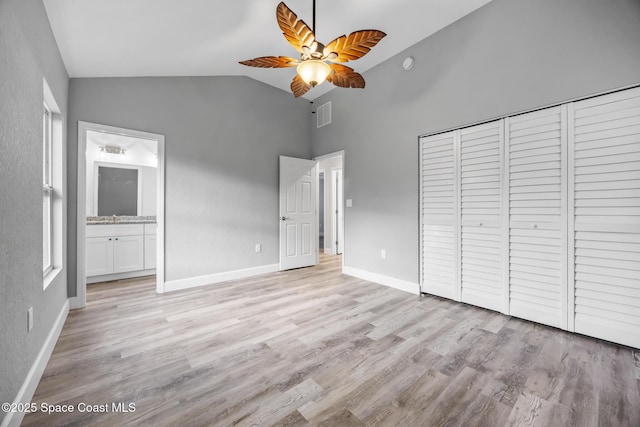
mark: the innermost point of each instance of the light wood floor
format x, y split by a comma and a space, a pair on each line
315, 347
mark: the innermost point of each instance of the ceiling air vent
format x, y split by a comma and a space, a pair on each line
323, 114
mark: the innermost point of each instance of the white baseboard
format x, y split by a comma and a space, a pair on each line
328, 251
392, 282
209, 279
25, 394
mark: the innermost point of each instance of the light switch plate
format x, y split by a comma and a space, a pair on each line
349, 203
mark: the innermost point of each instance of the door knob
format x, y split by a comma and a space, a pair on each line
284, 218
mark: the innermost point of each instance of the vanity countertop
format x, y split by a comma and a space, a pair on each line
122, 219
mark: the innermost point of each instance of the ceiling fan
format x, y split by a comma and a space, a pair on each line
318, 62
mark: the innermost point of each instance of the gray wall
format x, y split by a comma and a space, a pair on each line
223, 136
27, 54
509, 56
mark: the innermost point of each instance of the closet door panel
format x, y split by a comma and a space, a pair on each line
606, 204
481, 215
438, 200
537, 216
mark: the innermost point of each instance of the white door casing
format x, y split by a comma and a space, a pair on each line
338, 214
298, 213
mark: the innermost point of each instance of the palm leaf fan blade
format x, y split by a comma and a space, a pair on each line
294, 30
354, 46
271, 62
343, 76
299, 87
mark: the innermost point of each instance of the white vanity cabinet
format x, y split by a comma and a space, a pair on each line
150, 246
114, 249
99, 256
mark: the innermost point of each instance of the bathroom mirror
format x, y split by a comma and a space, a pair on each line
118, 190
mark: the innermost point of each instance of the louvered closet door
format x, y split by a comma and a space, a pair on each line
439, 218
481, 254
606, 201
537, 216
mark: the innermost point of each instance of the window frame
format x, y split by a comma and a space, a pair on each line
47, 190
53, 188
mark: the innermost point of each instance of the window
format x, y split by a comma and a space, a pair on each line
52, 188
47, 191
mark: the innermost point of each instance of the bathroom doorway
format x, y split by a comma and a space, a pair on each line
120, 215
331, 202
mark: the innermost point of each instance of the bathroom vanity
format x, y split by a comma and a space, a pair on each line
120, 247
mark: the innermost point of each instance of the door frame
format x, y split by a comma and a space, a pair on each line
337, 204
341, 155
322, 176
80, 300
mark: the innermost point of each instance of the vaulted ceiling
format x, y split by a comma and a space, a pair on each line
124, 38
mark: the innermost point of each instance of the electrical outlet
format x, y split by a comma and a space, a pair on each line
258, 247
30, 319
383, 253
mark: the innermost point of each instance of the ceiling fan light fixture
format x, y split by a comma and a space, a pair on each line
312, 66
313, 71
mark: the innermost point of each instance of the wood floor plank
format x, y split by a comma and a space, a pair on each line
315, 347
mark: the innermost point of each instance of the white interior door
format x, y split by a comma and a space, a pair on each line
439, 219
537, 216
481, 239
605, 179
549, 205
298, 213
